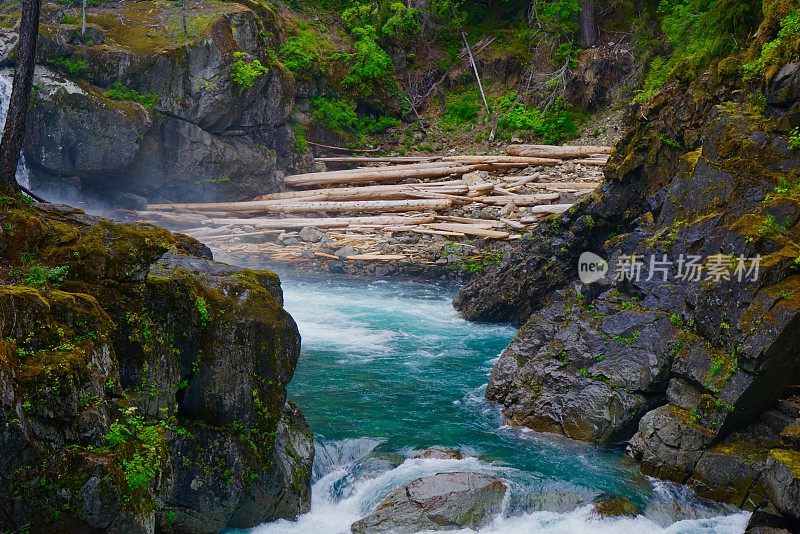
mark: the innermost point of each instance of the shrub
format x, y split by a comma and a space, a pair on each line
73, 67
300, 140
403, 22
698, 31
39, 275
780, 49
463, 108
120, 92
306, 53
244, 73
336, 114
794, 139
369, 66
340, 116
552, 127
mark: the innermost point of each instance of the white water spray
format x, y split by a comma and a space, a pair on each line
6, 84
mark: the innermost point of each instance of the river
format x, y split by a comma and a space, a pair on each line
388, 368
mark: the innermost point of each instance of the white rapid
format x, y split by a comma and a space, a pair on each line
6, 83
388, 368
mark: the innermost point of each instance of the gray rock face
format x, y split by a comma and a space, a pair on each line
445, 501
683, 368
206, 139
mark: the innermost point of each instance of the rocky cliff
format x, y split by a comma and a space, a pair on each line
143, 385
697, 373
136, 105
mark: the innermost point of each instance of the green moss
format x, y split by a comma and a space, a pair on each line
120, 92
789, 458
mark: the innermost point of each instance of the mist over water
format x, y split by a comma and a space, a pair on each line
6, 84
388, 368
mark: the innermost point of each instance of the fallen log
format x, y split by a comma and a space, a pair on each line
513, 224
366, 160
589, 162
520, 200
555, 151
468, 229
375, 206
467, 220
344, 191
548, 209
394, 174
376, 257
502, 160
333, 222
557, 186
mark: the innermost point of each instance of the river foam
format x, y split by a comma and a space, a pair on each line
388, 369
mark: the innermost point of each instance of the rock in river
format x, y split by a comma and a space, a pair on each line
445, 501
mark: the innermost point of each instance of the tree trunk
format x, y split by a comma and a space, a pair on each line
587, 24
14, 133
83, 17
185, 18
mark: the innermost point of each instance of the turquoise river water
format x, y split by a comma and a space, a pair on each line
388, 368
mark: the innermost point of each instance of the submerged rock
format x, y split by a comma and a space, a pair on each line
445, 501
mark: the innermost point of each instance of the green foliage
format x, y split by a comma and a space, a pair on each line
552, 127
335, 114
779, 50
141, 446
341, 117
202, 312
39, 275
583, 372
307, 53
300, 139
73, 67
66, 18
462, 108
627, 340
402, 22
770, 226
244, 72
369, 66
697, 31
794, 139
120, 92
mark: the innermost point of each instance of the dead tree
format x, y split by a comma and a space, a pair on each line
587, 25
14, 134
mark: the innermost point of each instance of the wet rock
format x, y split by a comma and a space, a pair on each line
616, 508
440, 453
129, 201
446, 501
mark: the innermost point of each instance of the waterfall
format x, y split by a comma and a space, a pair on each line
6, 83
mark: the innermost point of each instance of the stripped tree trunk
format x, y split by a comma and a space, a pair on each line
587, 22
83, 17
14, 133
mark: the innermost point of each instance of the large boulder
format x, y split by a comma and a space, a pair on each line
445, 501
143, 385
